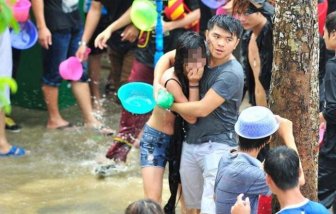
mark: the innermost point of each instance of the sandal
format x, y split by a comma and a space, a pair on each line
14, 152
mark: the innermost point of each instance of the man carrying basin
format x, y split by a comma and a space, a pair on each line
60, 28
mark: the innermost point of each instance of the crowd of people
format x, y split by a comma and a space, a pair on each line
211, 61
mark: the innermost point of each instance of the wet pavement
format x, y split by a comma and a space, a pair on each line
58, 175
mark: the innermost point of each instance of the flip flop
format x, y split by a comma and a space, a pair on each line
69, 125
104, 130
14, 152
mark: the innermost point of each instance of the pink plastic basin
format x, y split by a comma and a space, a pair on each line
21, 10
71, 69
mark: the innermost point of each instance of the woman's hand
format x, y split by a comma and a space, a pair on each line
130, 33
102, 38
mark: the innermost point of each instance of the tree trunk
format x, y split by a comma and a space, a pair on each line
294, 87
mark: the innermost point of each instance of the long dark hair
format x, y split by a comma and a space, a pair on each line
188, 40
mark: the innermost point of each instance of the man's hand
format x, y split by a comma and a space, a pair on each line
167, 26
81, 53
102, 38
323, 122
285, 130
241, 206
130, 33
44, 36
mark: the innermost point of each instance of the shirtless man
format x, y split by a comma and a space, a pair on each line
257, 46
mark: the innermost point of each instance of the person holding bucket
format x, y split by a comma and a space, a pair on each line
60, 29
143, 64
120, 48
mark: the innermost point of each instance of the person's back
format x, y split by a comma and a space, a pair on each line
282, 167
239, 173
307, 207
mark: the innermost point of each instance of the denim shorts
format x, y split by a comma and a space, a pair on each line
153, 147
64, 45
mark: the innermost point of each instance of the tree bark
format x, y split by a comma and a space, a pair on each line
294, 86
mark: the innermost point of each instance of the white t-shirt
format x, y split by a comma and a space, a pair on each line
5, 57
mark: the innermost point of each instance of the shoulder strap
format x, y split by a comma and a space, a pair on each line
172, 79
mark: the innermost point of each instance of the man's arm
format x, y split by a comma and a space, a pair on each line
181, 23
123, 20
165, 62
285, 131
201, 108
91, 23
43, 31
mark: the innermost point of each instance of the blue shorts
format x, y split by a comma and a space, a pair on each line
64, 45
153, 147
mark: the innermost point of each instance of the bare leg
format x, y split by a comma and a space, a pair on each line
152, 181
81, 92
94, 74
181, 199
4, 145
116, 66
55, 119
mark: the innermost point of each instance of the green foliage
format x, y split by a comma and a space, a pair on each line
6, 17
4, 102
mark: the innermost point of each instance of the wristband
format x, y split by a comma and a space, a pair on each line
193, 86
81, 43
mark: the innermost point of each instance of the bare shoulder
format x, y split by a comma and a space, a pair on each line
168, 74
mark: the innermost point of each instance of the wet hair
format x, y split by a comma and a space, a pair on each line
249, 144
245, 6
282, 164
144, 206
330, 23
188, 40
227, 23
241, 6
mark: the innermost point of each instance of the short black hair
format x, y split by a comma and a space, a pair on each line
144, 206
330, 24
246, 144
227, 23
282, 164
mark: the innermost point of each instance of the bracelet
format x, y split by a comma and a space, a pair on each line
81, 43
193, 86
